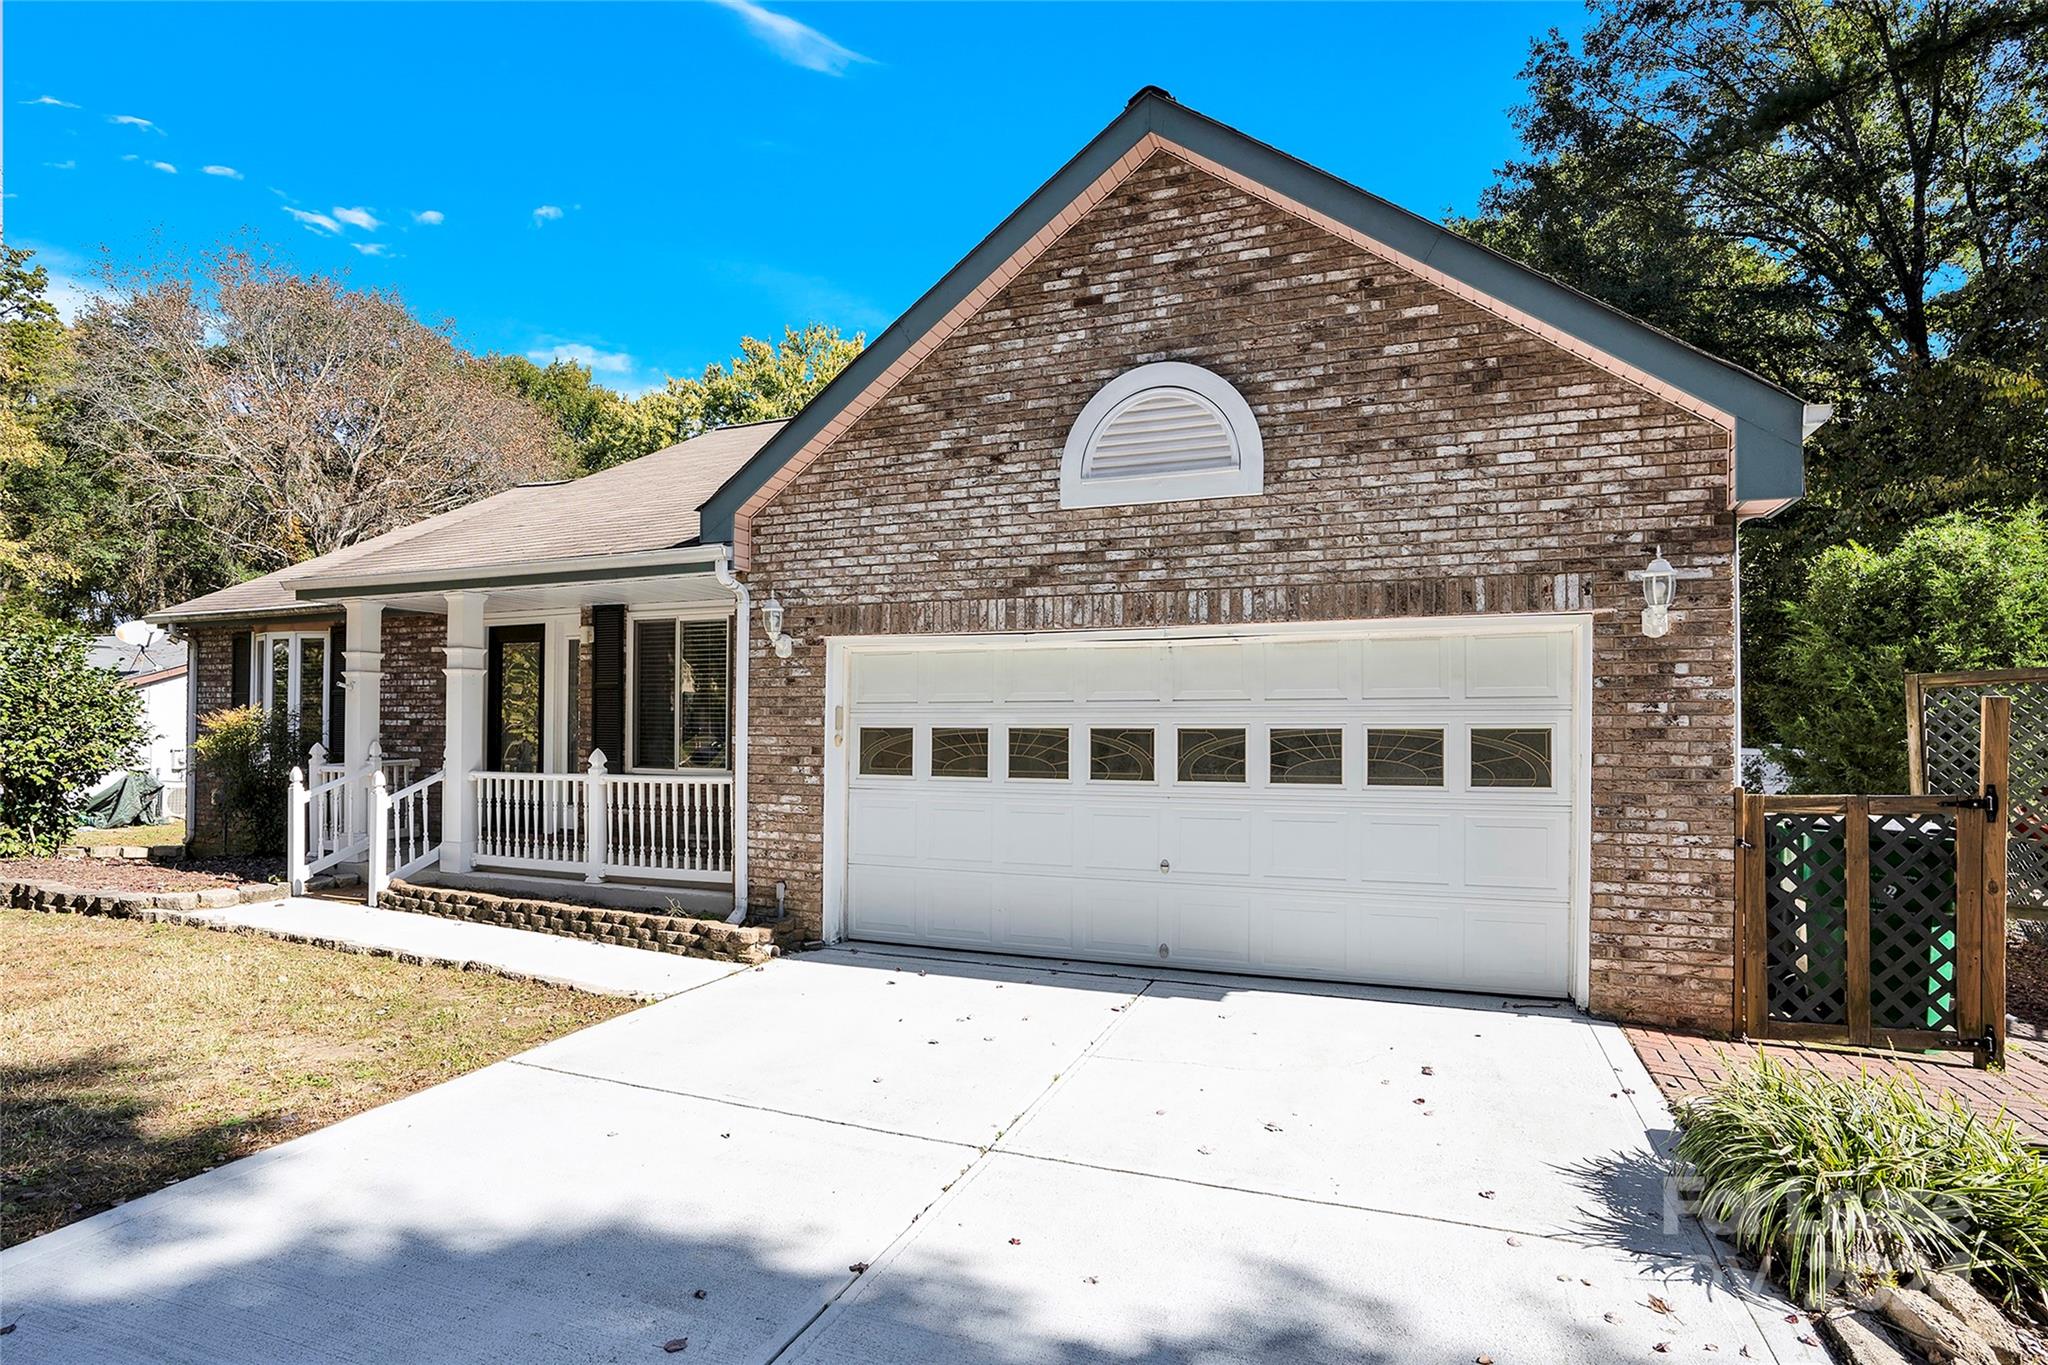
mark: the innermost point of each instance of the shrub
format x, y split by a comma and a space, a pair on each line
1958, 592
1866, 1178
64, 725
250, 753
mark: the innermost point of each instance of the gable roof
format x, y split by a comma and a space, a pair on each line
641, 505
1768, 423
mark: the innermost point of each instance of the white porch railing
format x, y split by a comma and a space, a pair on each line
320, 827
644, 826
409, 840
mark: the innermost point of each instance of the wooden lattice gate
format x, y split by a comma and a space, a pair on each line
1941, 751
1877, 920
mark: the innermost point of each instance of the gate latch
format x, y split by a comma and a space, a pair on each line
1988, 802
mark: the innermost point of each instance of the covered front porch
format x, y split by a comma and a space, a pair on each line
575, 728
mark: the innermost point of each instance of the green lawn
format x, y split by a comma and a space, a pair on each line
134, 1054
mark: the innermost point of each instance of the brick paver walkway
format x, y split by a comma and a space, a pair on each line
1684, 1064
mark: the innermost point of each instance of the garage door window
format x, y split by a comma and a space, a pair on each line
1511, 758
884, 751
959, 753
1404, 758
1308, 758
1120, 755
1211, 756
1039, 754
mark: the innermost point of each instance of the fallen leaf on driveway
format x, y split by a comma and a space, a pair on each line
1482, 1360
1089, 1280
1662, 1348
1514, 1241
1016, 1241
1658, 1305
1609, 1317
1488, 1194
1419, 1100
859, 1267
1429, 1071
1807, 1340
1275, 1128
677, 1344
700, 1294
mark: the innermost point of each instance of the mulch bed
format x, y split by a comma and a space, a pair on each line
123, 874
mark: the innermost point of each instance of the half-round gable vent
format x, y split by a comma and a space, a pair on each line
1162, 433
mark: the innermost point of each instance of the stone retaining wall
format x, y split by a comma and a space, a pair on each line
599, 924
56, 898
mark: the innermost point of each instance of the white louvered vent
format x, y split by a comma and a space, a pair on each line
1168, 432
1161, 431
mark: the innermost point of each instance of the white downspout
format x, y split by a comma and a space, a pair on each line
742, 609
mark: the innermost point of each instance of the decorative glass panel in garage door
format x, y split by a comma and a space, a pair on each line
1352, 806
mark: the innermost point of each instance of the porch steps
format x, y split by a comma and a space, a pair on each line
649, 929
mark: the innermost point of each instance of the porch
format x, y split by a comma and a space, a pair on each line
580, 735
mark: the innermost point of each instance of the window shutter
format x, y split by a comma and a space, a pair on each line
608, 683
337, 695
238, 669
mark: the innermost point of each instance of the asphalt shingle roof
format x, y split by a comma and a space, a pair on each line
645, 504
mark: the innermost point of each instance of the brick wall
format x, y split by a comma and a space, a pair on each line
1422, 458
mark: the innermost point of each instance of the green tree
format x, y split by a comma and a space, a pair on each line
764, 381
1956, 593
599, 427
64, 724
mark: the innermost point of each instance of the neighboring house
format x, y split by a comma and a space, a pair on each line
1219, 567
150, 661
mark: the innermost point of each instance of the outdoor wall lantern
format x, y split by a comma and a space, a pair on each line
1660, 585
771, 617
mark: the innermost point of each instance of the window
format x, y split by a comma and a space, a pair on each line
1162, 433
959, 753
292, 673
1039, 754
1404, 758
1308, 757
681, 711
1511, 758
1120, 755
885, 751
1211, 756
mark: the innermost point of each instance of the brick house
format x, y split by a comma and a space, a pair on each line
1219, 566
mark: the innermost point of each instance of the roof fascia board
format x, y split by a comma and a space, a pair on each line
173, 617
698, 559
1736, 398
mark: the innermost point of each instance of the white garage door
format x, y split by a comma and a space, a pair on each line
1385, 808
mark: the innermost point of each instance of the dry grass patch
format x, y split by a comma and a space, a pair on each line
133, 1054
144, 836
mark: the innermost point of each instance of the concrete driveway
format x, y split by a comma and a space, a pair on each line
860, 1155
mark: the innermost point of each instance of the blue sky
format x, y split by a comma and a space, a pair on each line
638, 185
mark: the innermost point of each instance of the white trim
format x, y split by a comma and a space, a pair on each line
260, 676
1247, 477
838, 748
478, 577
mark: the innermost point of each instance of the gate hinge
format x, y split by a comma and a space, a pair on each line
1988, 802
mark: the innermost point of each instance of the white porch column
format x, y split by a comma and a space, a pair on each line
465, 721
362, 680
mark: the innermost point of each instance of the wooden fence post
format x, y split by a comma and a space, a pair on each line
1916, 754
1994, 746
1856, 888
1756, 950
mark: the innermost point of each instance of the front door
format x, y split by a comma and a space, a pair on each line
516, 708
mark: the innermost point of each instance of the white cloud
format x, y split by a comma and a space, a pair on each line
134, 121
796, 43
546, 213
371, 248
61, 165
430, 217
227, 172
166, 167
314, 222
549, 349
52, 101
358, 217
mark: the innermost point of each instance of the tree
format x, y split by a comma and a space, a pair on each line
64, 724
764, 382
599, 427
290, 415
1956, 593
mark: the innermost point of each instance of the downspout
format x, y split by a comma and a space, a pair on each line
742, 610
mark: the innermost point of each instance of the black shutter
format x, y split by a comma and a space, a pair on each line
336, 710
608, 684
238, 669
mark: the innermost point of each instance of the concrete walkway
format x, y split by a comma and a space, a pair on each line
858, 1155
601, 968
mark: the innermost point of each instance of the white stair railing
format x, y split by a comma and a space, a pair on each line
404, 820
319, 829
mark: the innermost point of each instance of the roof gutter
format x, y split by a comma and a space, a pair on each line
687, 559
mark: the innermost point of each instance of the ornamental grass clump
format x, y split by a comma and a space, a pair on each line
1858, 1179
